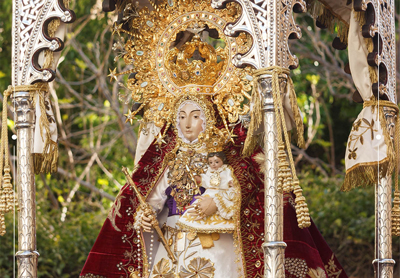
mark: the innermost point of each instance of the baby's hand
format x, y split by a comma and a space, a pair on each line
230, 183
197, 179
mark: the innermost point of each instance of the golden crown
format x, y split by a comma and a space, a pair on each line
172, 56
197, 62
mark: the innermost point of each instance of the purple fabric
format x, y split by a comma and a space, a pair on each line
172, 210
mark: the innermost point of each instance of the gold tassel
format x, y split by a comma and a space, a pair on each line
7, 195
297, 117
303, 216
287, 178
255, 122
7, 199
396, 214
396, 201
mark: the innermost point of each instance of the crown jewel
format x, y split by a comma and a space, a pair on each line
197, 62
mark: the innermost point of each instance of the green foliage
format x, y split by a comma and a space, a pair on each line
63, 246
334, 211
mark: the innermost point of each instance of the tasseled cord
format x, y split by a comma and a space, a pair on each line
396, 201
287, 178
7, 195
48, 163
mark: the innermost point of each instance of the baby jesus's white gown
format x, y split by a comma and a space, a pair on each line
209, 241
219, 186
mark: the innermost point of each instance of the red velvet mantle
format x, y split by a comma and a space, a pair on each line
114, 252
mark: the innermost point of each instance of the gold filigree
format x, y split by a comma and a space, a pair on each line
162, 270
180, 176
173, 54
208, 220
133, 273
198, 268
185, 66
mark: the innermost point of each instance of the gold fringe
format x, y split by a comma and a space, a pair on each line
315, 8
396, 214
327, 17
256, 119
364, 175
368, 174
360, 17
47, 161
396, 201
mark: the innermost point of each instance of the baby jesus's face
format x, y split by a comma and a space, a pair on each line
215, 162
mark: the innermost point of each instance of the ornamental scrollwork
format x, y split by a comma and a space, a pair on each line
380, 27
31, 37
270, 43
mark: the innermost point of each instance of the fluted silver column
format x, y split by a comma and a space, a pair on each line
24, 123
383, 263
274, 246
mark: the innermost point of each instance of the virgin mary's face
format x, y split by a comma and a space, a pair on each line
190, 122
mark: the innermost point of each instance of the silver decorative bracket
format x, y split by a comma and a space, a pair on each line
30, 38
271, 25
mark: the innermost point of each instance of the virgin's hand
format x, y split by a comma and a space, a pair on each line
146, 223
205, 206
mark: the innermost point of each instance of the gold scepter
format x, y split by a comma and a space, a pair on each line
149, 213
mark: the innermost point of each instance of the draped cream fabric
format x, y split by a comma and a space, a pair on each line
366, 148
45, 148
339, 8
40, 134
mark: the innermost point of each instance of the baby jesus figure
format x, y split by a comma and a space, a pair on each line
218, 182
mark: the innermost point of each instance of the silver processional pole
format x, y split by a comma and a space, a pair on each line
30, 37
270, 23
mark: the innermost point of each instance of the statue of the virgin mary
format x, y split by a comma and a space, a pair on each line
195, 106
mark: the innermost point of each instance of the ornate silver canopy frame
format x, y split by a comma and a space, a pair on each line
32, 42
270, 23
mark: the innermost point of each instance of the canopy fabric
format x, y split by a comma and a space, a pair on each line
369, 149
339, 8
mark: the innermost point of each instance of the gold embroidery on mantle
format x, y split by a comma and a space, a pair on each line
133, 273
316, 273
332, 270
114, 212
